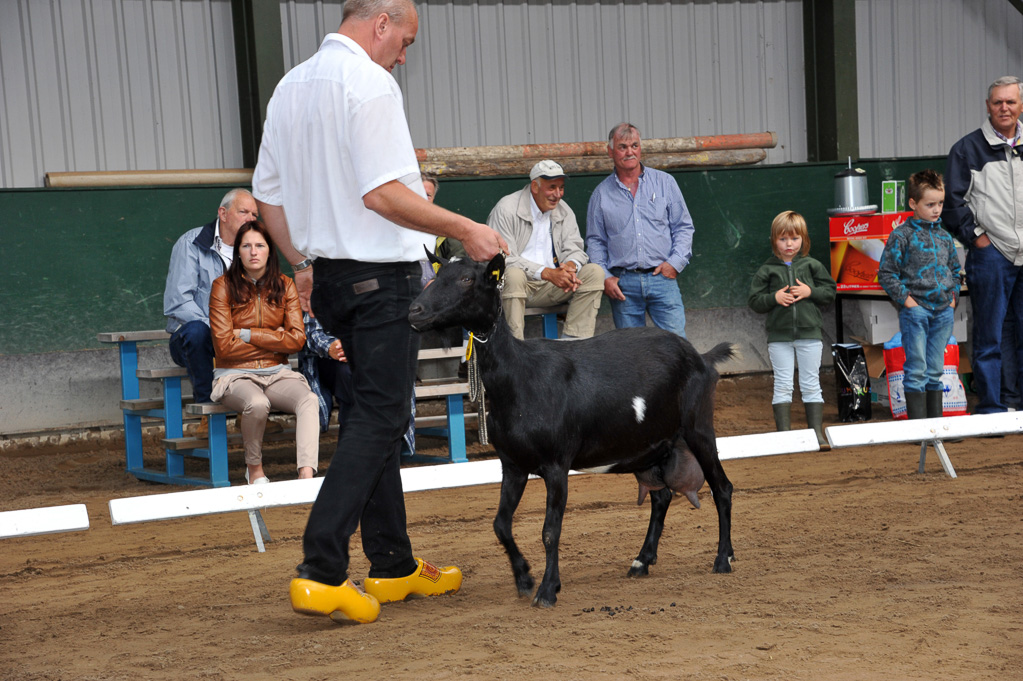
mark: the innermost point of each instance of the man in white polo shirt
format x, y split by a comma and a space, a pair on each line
338, 184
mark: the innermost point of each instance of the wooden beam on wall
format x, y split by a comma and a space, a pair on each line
259, 53
829, 48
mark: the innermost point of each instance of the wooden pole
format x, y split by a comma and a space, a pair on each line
592, 164
759, 140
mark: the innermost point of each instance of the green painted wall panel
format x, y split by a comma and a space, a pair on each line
82, 261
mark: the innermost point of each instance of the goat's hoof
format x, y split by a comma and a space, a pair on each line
539, 602
723, 565
524, 585
639, 569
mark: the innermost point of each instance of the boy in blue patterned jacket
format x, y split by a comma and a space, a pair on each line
920, 271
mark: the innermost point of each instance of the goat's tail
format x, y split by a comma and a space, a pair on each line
719, 353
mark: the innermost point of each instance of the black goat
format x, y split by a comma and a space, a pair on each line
628, 401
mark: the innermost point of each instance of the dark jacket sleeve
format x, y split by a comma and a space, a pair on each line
761, 297
823, 288
957, 216
889, 271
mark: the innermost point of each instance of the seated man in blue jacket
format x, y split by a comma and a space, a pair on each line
200, 256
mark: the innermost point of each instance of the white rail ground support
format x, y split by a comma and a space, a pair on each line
926, 432
47, 520
252, 498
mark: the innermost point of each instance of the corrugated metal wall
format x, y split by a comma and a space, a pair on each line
116, 85
924, 67
151, 84
518, 72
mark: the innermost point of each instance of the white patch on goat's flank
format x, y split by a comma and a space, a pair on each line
595, 469
639, 406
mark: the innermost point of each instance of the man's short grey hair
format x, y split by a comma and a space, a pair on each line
399, 10
1002, 82
232, 195
621, 130
432, 179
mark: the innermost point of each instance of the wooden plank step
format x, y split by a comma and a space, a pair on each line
186, 443
440, 421
121, 336
556, 309
441, 353
441, 390
146, 403
163, 372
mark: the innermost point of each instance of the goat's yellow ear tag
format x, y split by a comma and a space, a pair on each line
468, 348
496, 274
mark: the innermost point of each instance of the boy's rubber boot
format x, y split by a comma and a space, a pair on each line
916, 405
934, 406
815, 419
782, 416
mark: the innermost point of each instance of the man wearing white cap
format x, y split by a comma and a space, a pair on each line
547, 264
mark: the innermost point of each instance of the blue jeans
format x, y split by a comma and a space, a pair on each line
995, 284
366, 305
784, 357
925, 334
1010, 367
191, 346
653, 293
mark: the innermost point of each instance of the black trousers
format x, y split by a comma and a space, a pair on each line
366, 306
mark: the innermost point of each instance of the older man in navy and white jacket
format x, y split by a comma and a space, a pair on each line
984, 210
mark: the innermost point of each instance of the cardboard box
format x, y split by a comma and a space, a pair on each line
856, 246
881, 321
893, 196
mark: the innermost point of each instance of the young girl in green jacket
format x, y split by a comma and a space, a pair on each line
790, 288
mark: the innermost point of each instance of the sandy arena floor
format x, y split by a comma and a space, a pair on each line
849, 565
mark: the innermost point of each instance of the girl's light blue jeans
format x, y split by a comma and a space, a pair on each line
785, 356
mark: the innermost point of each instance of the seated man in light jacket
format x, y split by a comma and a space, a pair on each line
547, 265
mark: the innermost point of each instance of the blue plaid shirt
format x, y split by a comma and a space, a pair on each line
639, 232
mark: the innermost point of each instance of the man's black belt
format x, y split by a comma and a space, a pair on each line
638, 270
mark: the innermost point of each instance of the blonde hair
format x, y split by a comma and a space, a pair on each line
789, 222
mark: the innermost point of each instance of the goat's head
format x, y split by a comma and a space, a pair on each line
464, 293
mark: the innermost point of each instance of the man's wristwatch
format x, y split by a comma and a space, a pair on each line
304, 265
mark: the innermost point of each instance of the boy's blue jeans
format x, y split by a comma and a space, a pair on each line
925, 334
646, 292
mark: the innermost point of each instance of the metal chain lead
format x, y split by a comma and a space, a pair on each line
477, 394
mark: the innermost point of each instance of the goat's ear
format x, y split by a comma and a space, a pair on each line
495, 268
434, 259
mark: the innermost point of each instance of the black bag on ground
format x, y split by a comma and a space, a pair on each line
853, 382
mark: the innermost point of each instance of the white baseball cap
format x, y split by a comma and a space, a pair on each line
547, 169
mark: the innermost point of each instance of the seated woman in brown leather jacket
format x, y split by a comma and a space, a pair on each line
256, 322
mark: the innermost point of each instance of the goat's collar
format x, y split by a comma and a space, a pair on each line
478, 337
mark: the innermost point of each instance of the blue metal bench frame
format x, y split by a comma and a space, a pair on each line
170, 413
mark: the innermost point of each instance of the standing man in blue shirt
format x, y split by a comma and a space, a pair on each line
639, 230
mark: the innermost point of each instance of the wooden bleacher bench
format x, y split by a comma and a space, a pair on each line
170, 407
550, 318
214, 447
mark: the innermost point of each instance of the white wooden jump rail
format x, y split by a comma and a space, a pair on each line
928, 432
253, 498
46, 520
